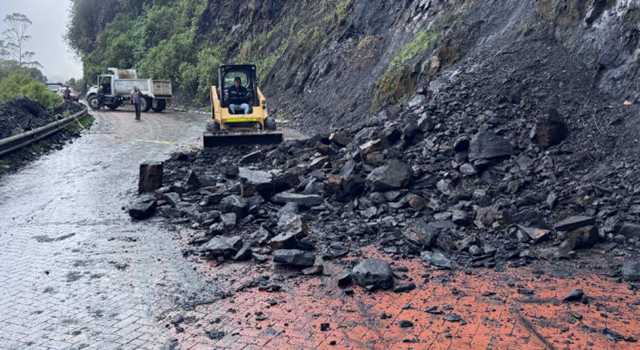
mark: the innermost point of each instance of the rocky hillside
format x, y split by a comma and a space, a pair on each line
468, 133
327, 63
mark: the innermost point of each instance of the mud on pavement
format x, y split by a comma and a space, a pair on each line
524, 308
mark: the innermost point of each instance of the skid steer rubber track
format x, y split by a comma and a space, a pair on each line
236, 139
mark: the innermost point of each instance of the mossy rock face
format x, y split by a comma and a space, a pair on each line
366, 52
394, 86
401, 78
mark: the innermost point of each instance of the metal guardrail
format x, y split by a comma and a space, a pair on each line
13, 143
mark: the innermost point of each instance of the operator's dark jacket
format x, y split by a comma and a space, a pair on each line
238, 95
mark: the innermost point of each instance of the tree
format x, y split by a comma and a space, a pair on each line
3, 49
88, 19
10, 66
78, 85
20, 84
15, 38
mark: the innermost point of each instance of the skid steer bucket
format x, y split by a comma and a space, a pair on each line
235, 139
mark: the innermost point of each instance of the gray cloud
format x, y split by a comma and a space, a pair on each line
50, 18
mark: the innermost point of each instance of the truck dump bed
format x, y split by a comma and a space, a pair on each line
156, 88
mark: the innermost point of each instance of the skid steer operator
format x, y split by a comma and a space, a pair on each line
238, 97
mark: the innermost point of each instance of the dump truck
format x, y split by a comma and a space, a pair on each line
239, 119
114, 90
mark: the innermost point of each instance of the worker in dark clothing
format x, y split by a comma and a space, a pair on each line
66, 94
238, 98
136, 99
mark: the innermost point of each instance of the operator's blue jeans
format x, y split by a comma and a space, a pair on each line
244, 107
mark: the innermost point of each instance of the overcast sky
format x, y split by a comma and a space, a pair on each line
50, 18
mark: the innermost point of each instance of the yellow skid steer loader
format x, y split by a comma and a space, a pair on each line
239, 110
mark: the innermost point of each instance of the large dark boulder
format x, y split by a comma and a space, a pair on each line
487, 146
265, 183
290, 229
574, 222
421, 234
255, 181
150, 179
234, 204
392, 176
436, 259
629, 230
373, 273
302, 200
143, 208
294, 257
222, 246
631, 270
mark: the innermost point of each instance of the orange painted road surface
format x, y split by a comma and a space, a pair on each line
519, 308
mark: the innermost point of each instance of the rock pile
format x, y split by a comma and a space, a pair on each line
455, 191
475, 176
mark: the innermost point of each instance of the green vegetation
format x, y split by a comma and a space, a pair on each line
4, 165
399, 80
187, 40
201, 76
21, 84
422, 41
83, 123
19, 75
156, 37
78, 85
9, 66
342, 9
257, 51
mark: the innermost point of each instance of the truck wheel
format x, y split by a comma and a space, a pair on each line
145, 104
93, 102
270, 124
159, 105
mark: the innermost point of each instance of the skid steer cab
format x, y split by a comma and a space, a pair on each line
239, 113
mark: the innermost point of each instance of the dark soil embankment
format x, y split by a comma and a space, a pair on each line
24, 115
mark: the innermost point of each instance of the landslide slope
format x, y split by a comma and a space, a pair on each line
328, 63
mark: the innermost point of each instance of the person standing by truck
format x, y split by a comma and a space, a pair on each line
66, 94
136, 98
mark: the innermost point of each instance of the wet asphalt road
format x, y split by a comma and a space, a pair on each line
75, 272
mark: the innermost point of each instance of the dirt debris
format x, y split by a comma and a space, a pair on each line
474, 191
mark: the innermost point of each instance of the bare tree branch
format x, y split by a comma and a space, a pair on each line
15, 37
